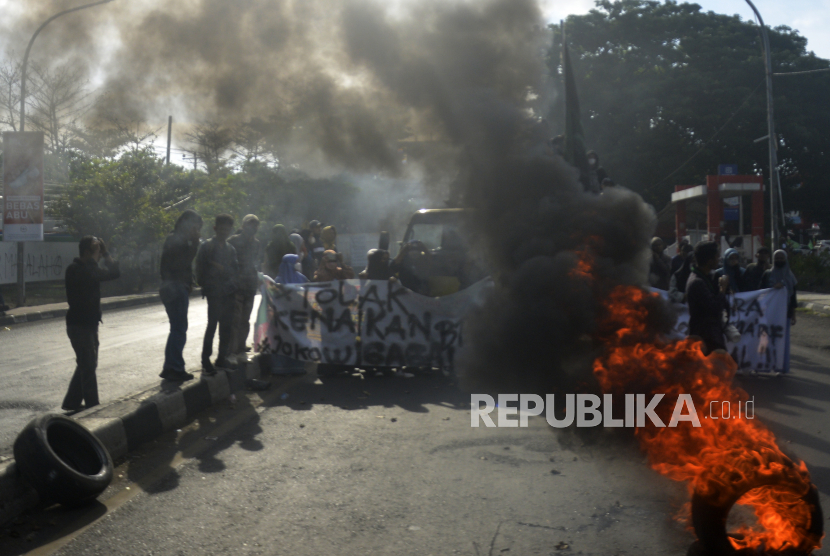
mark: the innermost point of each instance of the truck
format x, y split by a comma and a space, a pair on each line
437, 256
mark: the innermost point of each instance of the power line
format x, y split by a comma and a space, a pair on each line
801, 72
705, 143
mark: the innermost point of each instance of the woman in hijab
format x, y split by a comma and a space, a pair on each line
780, 276
332, 268
277, 248
732, 269
305, 261
287, 274
329, 238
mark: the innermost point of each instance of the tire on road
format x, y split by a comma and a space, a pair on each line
62, 460
709, 521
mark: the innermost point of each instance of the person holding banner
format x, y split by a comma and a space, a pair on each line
780, 276
332, 268
83, 293
754, 272
732, 269
707, 299
288, 274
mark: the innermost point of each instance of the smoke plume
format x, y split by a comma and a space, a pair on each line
347, 80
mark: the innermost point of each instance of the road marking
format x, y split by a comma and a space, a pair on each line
186, 454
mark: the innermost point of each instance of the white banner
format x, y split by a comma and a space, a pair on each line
761, 318
363, 322
23, 186
44, 261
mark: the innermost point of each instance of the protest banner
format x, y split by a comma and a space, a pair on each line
761, 318
363, 322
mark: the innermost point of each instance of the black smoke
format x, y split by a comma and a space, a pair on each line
348, 80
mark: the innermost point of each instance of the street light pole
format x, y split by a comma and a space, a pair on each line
21, 246
772, 141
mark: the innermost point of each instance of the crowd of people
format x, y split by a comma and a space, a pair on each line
226, 267
700, 278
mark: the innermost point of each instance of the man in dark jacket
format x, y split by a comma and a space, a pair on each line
249, 255
707, 299
755, 271
176, 284
659, 272
83, 292
217, 271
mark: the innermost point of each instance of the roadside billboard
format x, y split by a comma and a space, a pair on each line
23, 186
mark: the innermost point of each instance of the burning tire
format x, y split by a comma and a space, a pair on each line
62, 460
709, 521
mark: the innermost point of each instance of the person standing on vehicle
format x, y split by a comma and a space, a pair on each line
217, 271
377, 266
248, 254
83, 293
707, 299
176, 284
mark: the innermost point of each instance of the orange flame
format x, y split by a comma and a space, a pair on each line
723, 457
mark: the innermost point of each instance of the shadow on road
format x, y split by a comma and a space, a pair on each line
363, 390
46, 525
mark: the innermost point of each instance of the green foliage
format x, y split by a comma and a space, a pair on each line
812, 271
121, 201
658, 80
133, 201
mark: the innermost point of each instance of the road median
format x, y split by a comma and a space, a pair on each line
128, 422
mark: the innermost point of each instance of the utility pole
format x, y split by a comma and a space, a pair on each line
169, 134
772, 141
21, 245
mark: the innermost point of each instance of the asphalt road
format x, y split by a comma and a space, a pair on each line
38, 360
365, 465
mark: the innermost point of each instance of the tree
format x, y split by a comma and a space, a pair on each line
10, 94
123, 201
668, 92
57, 100
211, 142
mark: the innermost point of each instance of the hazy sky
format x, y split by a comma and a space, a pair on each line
810, 17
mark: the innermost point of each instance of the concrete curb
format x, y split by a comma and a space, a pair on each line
57, 310
816, 307
128, 422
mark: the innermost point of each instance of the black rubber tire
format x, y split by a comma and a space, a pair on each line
709, 521
62, 460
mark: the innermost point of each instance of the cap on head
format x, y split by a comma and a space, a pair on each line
250, 219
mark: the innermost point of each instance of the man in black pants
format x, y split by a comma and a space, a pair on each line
217, 271
249, 257
83, 292
707, 298
176, 284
